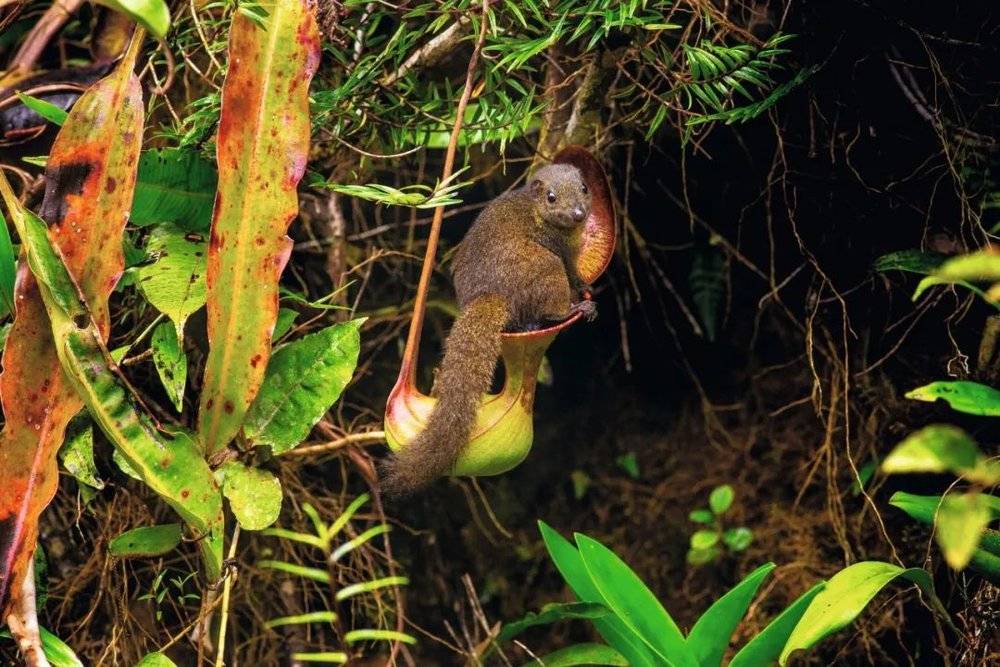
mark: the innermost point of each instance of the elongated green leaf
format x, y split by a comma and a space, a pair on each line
262, 149
151, 14
710, 635
58, 652
960, 524
156, 659
912, 261
170, 362
613, 629
764, 649
175, 186
171, 466
45, 109
175, 282
77, 456
8, 269
846, 595
628, 597
254, 494
363, 635
552, 613
581, 654
303, 380
313, 573
146, 541
325, 617
969, 397
369, 586
88, 187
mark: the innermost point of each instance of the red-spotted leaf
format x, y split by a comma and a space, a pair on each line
89, 181
262, 149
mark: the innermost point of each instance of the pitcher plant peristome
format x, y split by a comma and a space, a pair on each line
504, 429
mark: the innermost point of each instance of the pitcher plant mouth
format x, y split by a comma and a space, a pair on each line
504, 429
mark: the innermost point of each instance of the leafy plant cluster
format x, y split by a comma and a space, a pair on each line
960, 517
640, 632
709, 543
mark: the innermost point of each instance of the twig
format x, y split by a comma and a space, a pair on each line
409, 368
52, 20
339, 443
432, 52
226, 589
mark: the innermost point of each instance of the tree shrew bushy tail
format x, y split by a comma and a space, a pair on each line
466, 372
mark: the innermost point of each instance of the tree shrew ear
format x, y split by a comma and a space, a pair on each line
536, 186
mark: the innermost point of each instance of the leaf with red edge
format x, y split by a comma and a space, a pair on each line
262, 149
89, 182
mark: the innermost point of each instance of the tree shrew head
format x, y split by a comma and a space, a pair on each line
561, 196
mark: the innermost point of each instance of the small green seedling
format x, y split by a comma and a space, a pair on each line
709, 543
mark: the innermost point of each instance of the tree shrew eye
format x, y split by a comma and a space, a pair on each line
583, 188
551, 197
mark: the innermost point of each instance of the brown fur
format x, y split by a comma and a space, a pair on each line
516, 268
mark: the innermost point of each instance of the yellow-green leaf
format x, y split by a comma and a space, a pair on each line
262, 150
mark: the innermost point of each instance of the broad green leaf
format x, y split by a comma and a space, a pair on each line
8, 269
156, 659
702, 556
764, 649
704, 539
170, 465
721, 499
170, 362
77, 456
175, 282
628, 597
304, 378
935, 448
701, 516
968, 397
58, 653
930, 281
581, 654
738, 539
846, 595
146, 541
286, 318
552, 613
175, 186
153, 15
44, 108
923, 508
961, 520
88, 186
983, 265
709, 638
124, 465
613, 629
262, 150
254, 494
